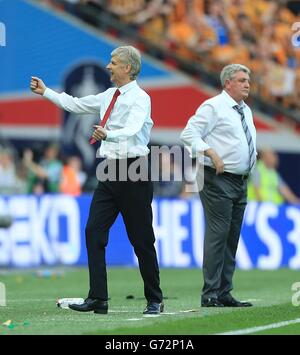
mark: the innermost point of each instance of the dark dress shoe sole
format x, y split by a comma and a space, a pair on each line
213, 305
81, 310
211, 302
97, 311
237, 304
243, 304
85, 310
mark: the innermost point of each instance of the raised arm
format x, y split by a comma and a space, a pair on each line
84, 105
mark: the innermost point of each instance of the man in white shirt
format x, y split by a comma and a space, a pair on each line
222, 129
124, 139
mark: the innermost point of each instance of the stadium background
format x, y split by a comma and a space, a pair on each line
68, 44
43, 39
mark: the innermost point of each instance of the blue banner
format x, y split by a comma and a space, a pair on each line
46, 44
49, 230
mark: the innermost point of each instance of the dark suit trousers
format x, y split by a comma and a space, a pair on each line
133, 201
224, 199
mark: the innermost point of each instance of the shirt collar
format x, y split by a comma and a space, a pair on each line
127, 87
231, 102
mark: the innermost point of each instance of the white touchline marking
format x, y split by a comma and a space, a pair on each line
168, 313
33, 300
253, 300
261, 328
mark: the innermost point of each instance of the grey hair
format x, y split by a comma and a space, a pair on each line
230, 70
129, 55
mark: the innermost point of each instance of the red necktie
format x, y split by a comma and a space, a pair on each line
107, 113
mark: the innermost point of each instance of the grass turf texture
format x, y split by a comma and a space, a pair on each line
32, 308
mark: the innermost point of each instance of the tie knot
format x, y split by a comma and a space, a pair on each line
239, 109
117, 93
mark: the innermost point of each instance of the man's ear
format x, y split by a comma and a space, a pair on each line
128, 68
227, 82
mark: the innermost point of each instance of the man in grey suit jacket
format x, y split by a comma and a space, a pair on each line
222, 129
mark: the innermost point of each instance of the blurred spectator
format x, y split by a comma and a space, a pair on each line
10, 183
266, 184
76, 163
7, 172
127, 10
47, 174
22, 178
72, 178
246, 30
218, 19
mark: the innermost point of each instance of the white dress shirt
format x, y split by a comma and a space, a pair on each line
217, 125
129, 125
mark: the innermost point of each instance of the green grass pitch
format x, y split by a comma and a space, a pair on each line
31, 304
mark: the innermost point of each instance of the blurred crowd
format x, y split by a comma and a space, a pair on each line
50, 174
214, 33
173, 178
48, 171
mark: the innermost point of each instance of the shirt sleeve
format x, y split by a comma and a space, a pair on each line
87, 104
139, 111
197, 128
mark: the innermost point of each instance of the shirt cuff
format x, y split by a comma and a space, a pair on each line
48, 93
200, 147
110, 136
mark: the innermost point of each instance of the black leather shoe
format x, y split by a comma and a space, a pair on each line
211, 302
154, 308
89, 305
229, 301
